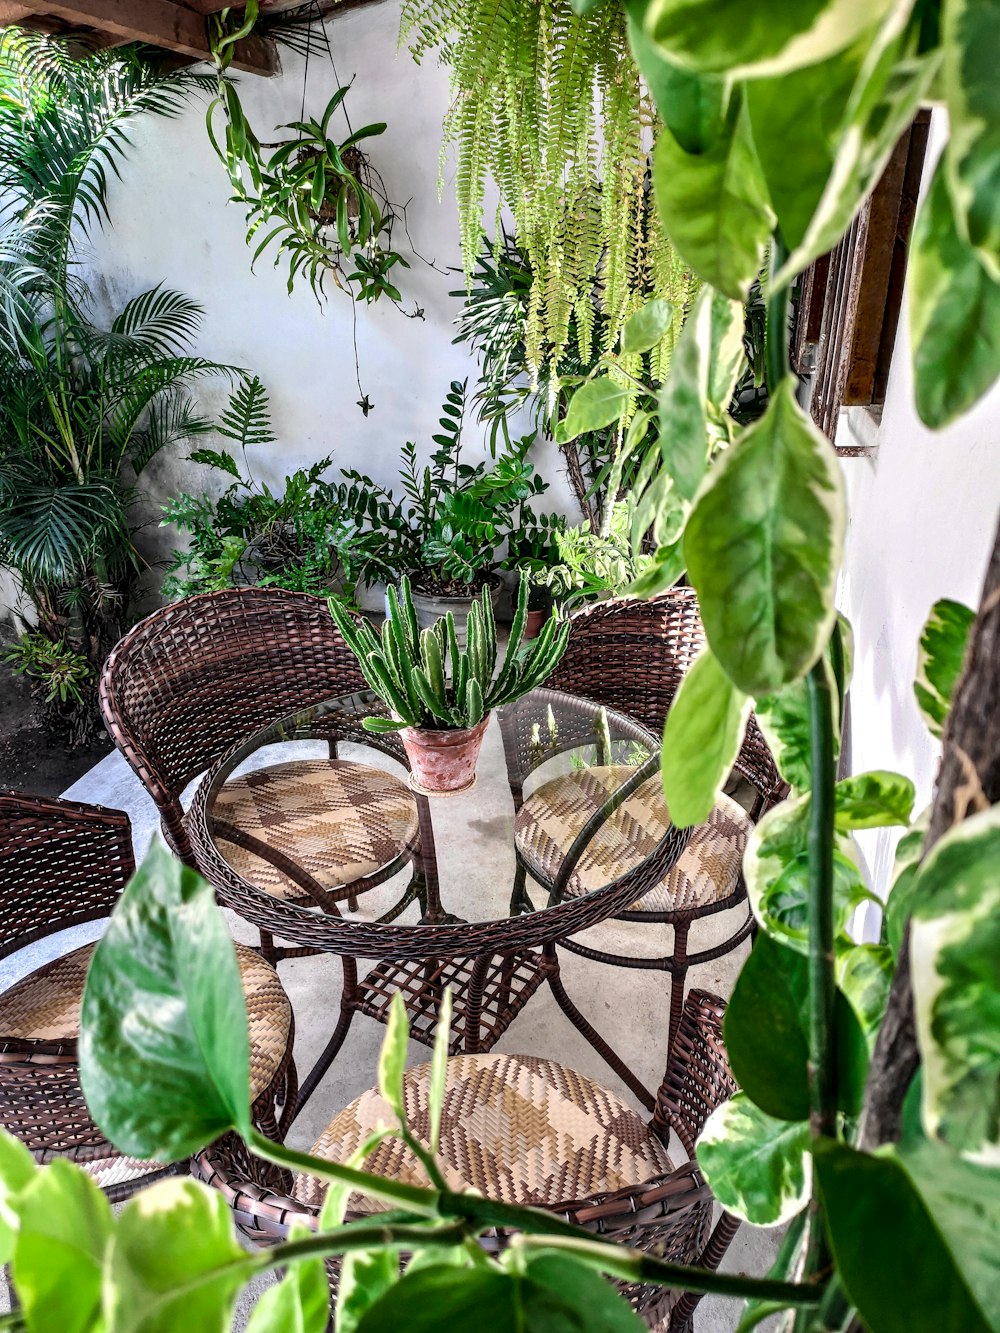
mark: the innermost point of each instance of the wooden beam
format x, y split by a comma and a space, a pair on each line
160, 23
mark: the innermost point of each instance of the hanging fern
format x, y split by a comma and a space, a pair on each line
550, 107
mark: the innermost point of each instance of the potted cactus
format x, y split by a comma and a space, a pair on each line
440, 695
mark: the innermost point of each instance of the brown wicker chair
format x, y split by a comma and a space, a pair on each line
502, 1116
195, 678
632, 655
63, 864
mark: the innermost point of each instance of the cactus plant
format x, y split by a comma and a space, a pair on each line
431, 684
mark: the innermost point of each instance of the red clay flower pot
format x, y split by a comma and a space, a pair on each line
444, 761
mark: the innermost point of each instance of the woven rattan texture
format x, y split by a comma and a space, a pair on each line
633, 655
45, 1007
192, 679
669, 1212
509, 982
338, 821
708, 869
515, 1128
61, 863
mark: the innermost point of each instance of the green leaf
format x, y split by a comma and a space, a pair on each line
970, 37
783, 717
714, 206
940, 658
889, 1254
439, 1071
365, 1276
954, 314
174, 1261
776, 868
909, 850
663, 570
767, 1025
766, 592
955, 965
964, 1201
65, 1226
690, 105
17, 1169
864, 974
646, 327
878, 799
213, 458
392, 1057
481, 1300
164, 1052
299, 1303
797, 119
769, 37
701, 740
757, 1167
595, 405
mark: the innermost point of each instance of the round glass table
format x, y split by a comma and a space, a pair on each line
311, 831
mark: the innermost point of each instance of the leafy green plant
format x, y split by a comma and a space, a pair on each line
62, 680
867, 1117
548, 105
428, 681
163, 995
446, 533
84, 408
590, 565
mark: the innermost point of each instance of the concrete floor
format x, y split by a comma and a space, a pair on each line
629, 1007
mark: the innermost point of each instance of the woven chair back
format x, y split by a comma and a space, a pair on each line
193, 678
632, 655
61, 863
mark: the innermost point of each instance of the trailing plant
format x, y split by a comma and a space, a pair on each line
84, 407
549, 105
494, 320
864, 1068
170, 1257
447, 531
427, 681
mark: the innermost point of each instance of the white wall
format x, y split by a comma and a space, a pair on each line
923, 512
172, 223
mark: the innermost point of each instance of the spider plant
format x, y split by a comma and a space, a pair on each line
85, 405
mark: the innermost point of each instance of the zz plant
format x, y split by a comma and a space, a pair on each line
428, 681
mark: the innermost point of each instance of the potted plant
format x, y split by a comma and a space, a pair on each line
440, 694
445, 534
533, 549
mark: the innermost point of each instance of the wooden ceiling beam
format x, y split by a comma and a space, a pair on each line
160, 23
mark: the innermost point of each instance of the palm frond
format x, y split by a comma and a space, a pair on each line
48, 533
159, 320
171, 419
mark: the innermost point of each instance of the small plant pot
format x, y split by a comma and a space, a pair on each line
432, 606
536, 618
444, 761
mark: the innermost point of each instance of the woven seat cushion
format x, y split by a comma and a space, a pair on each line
45, 1006
338, 820
550, 819
516, 1128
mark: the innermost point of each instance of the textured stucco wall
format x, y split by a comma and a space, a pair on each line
923, 511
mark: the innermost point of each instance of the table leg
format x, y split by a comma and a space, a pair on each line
474, 1002
348, 1006
586, 1029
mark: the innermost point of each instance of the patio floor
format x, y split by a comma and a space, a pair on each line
628, 1007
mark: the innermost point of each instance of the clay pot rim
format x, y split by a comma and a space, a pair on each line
455, 733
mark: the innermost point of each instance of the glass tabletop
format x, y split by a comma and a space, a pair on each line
315, 819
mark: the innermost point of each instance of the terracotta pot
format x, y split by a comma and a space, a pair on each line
444, 760
534, 622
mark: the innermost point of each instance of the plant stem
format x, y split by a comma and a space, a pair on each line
368, 1237
634, 1266
776, 321
822, 985
468, 1214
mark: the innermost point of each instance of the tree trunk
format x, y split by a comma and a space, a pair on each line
968, 781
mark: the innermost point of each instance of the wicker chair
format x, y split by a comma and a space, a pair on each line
532, 1132
632, 655
193, 679
63, 864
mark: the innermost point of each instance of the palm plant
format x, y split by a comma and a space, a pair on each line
84, 409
